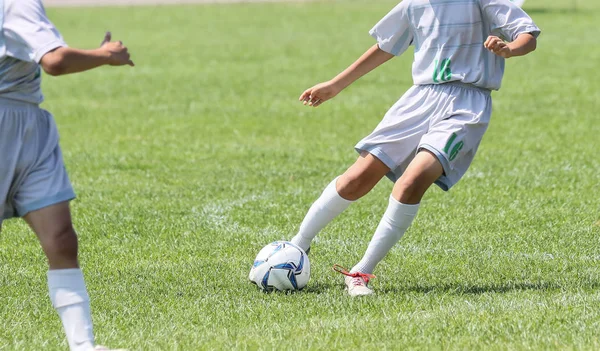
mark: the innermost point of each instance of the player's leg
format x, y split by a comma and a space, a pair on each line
357, 181
41, 197
446, 152
402, 208
387, 150
403, 205
54, 229
68, 291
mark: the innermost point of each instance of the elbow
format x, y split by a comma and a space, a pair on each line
533, 45
54, 70
53, 63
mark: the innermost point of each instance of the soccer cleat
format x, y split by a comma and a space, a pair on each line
307, 250
357, 283
104, 348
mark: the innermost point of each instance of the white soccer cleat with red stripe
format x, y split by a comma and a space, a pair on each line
357, 283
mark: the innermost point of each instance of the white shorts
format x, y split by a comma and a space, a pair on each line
448, 120
32, 172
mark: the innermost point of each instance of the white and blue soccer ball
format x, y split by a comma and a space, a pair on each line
282, 266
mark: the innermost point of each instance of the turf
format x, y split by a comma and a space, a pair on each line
186, 165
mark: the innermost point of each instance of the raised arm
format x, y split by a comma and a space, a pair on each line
524, 44
65, 60
322, 92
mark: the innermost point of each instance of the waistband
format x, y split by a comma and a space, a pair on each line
4, 103
460, 84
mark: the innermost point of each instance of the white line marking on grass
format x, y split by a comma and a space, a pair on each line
218, 215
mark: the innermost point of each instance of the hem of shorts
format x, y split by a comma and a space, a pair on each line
63, 196
443, 182
7, 215
377, 152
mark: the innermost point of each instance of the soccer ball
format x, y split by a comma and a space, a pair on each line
280, 265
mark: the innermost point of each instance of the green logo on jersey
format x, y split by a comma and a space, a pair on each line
454, 152
442, 71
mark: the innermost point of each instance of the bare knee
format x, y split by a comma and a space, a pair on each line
60, 246
353, 186
410, 189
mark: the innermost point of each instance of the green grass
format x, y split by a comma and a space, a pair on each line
186, 165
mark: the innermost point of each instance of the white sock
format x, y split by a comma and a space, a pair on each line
396, 219
70, 299
324, 210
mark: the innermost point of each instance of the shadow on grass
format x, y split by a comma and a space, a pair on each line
320, 288
465, 289
539, 10
315, 289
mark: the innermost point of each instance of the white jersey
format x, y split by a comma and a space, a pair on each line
448, 37
26, 35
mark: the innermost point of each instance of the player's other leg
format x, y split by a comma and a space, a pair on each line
68, 292
357, 181
408, 191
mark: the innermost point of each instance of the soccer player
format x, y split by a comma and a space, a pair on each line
432, 133
33, 181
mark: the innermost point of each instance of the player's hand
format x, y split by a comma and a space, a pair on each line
498, 46
318, 94
117, 53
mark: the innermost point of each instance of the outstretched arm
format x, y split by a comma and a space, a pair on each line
322, 92
65, 60
524, 44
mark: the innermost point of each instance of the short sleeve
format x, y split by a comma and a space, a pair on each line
28, 31
508, 19
393, 33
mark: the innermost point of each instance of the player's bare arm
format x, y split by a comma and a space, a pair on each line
523, 45
65, 60
322, 92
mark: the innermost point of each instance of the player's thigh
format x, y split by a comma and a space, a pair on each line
421, 173
362, 176
368, 167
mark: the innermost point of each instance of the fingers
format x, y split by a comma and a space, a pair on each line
319, 102
485, 44
316, 95
496, 45
311, 100
107, 37
304, 95
314, 101
491, 42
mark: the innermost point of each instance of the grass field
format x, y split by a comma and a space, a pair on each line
186, 165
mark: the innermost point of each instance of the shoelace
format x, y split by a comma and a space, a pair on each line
358, 276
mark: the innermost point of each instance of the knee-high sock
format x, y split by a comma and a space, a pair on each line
70, 299
324, 210
396, 219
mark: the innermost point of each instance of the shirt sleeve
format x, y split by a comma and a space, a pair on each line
30, 34
508, 19
393, 33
